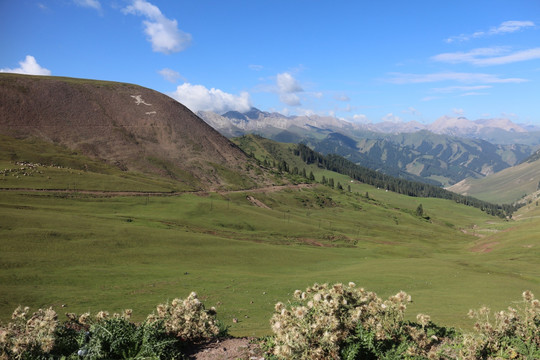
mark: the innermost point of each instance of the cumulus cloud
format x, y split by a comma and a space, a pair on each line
28, 66
402, 78
170, 75
488, 56
361, 118
94, 4
391, 118
162, 32
287, 83
198, 97
504, 28
287, 87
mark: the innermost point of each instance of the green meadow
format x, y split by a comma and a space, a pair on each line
94, 252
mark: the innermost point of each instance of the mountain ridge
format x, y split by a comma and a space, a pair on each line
414, 152
447, 125
127, 125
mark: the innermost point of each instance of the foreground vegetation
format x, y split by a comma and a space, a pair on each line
324, 322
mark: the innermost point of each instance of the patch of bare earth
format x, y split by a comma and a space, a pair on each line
484, 248
257, 203
314, 242
228, 349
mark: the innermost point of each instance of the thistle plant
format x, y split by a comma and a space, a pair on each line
510, 334
187, 319
318, 321
27, 336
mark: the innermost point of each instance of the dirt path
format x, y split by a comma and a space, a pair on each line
228, 349
266, 189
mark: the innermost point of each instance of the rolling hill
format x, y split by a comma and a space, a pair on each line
127, 126
520, 182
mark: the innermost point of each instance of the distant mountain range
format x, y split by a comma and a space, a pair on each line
442, 153
496, 131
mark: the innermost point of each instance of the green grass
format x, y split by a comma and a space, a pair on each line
506, 186
135, 252
61, 168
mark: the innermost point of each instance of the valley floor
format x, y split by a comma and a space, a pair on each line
94, 253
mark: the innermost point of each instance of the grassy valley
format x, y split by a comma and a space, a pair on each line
94, 251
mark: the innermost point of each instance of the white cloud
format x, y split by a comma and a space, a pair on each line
170, 75
391, 118
290, 99
94, 4
510, 27
28, 66
361, 118
454, 89
504, 28
402, 78
287, 87
308, 112
458, 112
287, 83
198, 97
162, 32
488, 56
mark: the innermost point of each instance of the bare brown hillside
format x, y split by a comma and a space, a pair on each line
132, 127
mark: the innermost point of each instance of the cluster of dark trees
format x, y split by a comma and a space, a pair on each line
343, 166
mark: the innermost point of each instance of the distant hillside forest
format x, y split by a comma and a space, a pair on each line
343, 166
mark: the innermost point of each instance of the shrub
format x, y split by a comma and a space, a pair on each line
319, 320
28, 337
187, 319
510, 334
162, 336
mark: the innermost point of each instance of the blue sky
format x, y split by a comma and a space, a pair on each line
364, 61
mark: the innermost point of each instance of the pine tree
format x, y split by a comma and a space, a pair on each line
420, 211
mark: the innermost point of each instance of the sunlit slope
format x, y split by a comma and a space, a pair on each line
505, 186
37, 164
92, 253
124, 125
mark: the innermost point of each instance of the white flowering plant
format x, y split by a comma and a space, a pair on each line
163, 335
316, 324
28, 336
510, 334
187, 319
